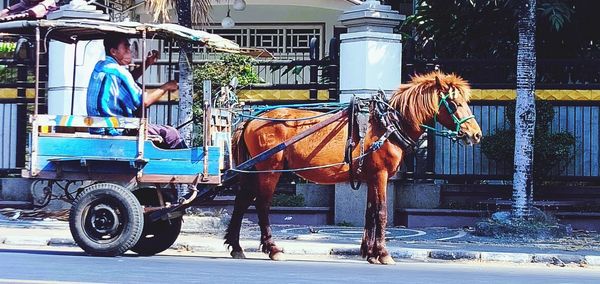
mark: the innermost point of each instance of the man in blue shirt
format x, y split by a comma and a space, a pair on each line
113, 91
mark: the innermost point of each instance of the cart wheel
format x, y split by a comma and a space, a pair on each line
159, 235
106, 220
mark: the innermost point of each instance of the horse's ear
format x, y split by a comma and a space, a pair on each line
438, 83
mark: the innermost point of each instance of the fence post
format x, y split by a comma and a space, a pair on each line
364, 69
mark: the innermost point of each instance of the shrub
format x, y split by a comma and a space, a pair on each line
221, 72
549, 148
288, 200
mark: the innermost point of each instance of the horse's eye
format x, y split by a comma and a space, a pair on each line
452, 107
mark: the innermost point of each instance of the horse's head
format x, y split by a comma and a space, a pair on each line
453, 110
438, 97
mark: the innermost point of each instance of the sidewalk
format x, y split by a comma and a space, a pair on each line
204, 234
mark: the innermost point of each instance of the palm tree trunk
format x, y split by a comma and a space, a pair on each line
186, 83
525, 112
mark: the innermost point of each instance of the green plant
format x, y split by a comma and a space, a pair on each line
550, 149
288, 200
221, 72
485, 28
7, 49
7, 75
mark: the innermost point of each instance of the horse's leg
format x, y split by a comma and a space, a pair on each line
242, 200
367, 246
384, 256
264, 196
373, 242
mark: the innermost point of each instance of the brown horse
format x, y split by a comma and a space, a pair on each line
426, 99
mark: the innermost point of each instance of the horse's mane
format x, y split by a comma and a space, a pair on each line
418, 100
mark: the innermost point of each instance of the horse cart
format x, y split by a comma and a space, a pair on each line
123, 188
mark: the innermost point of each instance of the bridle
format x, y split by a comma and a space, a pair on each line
451, 107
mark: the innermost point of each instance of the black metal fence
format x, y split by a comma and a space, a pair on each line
571, 74
15, 84
447, 160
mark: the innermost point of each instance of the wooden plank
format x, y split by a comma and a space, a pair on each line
115, 148
179, 179
86, 147
154, 167
194, 154
179, 167
87, 121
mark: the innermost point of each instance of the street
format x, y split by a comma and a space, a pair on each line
58, 265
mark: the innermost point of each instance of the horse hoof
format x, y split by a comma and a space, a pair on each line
373, 260
238, 255
388, 260
278, 256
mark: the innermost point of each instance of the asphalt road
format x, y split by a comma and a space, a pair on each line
18, 265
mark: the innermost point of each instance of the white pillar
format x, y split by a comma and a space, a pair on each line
61, 57
370, 60
370, 53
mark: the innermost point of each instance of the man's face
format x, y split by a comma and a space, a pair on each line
122, 54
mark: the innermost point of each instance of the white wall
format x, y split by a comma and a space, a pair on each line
276, 13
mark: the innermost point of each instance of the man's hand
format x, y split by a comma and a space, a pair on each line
155, 95
170, 86
151, 58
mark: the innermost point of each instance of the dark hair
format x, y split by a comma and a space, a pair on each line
112, 40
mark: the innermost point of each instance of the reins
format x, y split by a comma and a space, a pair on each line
451, 134
389, 117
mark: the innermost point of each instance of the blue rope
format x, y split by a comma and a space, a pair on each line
284, 119
312, 105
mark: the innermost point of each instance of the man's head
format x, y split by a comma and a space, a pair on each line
117, 46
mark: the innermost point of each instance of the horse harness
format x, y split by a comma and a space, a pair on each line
358, 118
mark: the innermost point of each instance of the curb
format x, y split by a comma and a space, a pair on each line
416, 254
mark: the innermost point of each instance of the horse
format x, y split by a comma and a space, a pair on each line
427, 98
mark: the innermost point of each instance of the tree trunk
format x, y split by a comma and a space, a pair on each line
186, 83
525, 112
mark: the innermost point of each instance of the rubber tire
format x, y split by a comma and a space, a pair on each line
157, 236
130, 219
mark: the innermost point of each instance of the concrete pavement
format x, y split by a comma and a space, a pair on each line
204, 234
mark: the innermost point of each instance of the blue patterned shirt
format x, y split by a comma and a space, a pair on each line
112, 91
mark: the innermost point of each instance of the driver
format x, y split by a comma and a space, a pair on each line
113, 91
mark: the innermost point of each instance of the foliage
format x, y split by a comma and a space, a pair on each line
556, 12
221, 72
7, 74
326, 67
7, 49
478, 29
288, 200
550, 149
